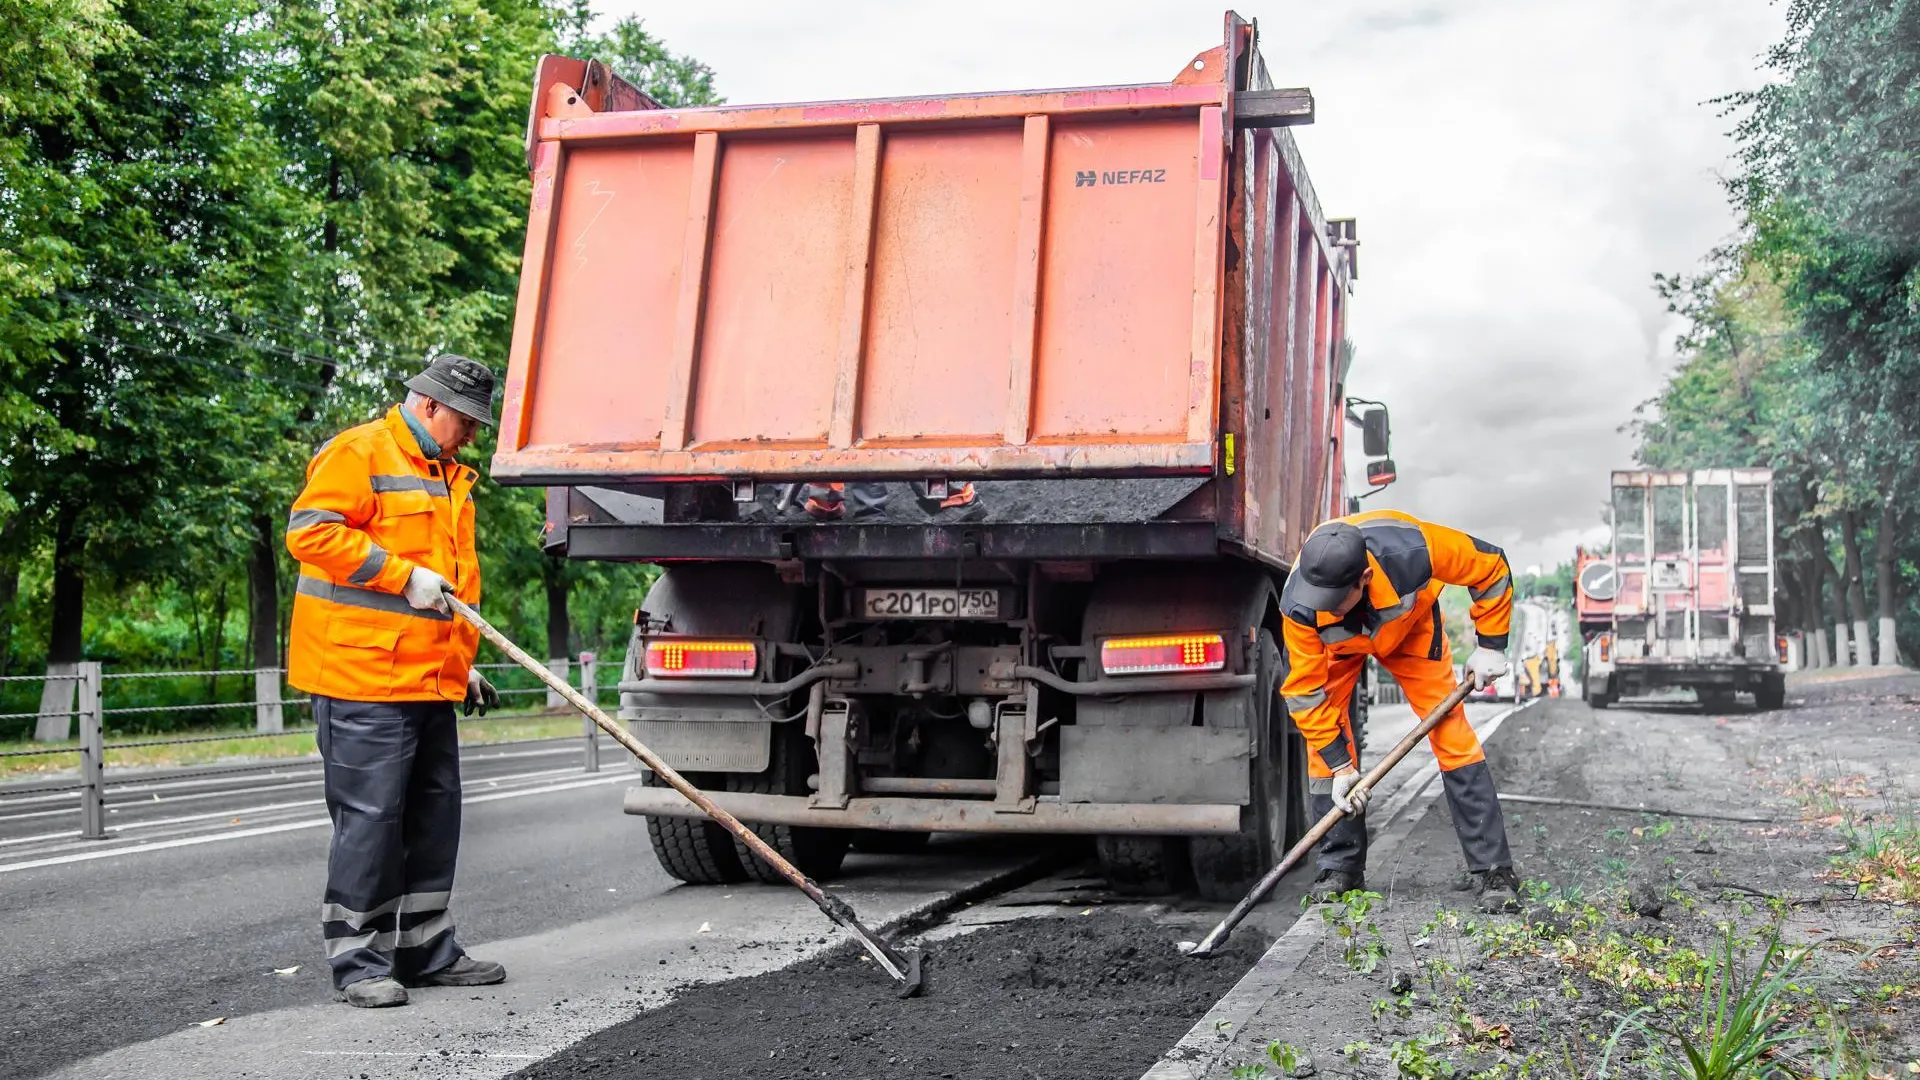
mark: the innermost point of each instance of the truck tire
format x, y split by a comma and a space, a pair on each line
1772, 693
694, 850
1224, 867
888, 842
1357, 712
817, 852
1143, 865
1600, 698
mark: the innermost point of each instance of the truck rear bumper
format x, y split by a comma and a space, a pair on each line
951, 815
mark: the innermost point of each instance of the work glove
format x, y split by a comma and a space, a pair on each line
1349, 797
426, 590
480, 693
1486, 665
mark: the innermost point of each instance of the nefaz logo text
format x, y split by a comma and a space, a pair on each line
1111, 177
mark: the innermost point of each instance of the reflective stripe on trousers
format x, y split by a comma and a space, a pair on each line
393, 791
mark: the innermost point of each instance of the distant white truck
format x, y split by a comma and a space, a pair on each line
1685, 598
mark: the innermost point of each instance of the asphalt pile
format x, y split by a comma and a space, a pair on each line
1088, 997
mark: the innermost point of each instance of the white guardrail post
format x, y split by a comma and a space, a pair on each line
266, 696
93, 815
557, 665
590, 689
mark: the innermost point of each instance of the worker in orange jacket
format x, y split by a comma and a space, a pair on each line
383, 531
1369, 585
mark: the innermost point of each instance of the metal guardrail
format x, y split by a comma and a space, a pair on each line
93, 748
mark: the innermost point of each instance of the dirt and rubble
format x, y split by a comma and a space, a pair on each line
1631, 916
1092, 996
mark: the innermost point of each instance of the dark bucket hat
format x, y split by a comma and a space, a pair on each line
463, 385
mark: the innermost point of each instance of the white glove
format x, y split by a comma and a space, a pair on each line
1486, 665
1346, 796
426, 590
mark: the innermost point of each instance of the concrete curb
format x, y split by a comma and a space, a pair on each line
1206, 1044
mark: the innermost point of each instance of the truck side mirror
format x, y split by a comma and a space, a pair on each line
1373, 432
1380, 473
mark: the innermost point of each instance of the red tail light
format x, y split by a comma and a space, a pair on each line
1163, 653
670, 658
1780, 644
1606, 647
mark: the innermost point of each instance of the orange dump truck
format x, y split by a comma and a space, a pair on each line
1117, 313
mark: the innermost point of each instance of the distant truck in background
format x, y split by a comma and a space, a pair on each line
1118, 312
1684, 597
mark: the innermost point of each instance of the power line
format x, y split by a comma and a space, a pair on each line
203, 330
339, 343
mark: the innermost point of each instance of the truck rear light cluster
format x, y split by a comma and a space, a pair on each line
1163, 653
681, 658
1780, 647
1606, 647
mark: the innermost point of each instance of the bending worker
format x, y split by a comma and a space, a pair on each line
383, 529
1369, 585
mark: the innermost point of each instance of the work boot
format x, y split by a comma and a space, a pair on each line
1331, 885
378, 993
1499, 890
465, 971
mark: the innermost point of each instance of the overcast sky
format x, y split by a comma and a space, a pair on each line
1519, 168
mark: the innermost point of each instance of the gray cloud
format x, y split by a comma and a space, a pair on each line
1520, 168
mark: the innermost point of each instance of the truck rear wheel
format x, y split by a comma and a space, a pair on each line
1772, 693
694, 850
1599, 697
1225, 867
817, 852
1143, 865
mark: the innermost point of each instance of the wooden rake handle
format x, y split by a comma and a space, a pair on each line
832, 906
1300, 849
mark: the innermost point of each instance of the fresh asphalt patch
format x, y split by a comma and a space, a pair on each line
1085, 996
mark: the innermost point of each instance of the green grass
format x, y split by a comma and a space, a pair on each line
474, 731
1743, 1019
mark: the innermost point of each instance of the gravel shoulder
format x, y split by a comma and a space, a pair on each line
1633, 916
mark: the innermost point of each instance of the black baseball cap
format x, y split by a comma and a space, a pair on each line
1330, 565
463, 385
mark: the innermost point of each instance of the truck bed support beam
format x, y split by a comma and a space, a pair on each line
936, 815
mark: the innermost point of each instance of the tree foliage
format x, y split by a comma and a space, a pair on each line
1803, 350
228, 229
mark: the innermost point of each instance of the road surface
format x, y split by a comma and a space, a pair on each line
116, 951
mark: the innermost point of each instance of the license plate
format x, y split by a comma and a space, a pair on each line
931, 604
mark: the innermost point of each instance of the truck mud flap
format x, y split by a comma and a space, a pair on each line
1112, 763
707, 747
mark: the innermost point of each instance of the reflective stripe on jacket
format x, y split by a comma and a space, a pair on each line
374, 508
1412, 560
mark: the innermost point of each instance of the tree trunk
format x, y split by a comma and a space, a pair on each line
263, 625
66, 642
1856, 588
1883, 577
559, 627
9, 589
1813, 579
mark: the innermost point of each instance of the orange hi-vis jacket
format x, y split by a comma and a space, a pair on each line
1412, 560
374, 508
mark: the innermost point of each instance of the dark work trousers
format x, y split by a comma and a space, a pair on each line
393, 791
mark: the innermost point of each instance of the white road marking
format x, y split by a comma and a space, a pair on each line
268, 830
73, 836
